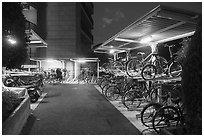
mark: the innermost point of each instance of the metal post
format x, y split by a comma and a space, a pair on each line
114, 56
97, 68
154, 47
127, 55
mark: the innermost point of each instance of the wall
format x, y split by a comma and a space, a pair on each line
47, 65
61, 30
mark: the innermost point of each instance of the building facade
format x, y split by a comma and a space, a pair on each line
67, 35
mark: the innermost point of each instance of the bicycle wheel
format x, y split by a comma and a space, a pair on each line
117, 65
149, 72
105, 87
148, 112
133, 68
106, 66
112, 93
131, 99
175, 69
104, 82
98, 81
154, 93
167, 116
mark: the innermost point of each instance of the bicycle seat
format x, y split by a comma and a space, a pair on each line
166, 45
140, 53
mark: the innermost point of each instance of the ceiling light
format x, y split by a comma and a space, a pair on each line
146, 40
37, 41
50, 60
112, 51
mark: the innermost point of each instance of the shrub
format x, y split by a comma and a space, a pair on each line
192, 83
10, 102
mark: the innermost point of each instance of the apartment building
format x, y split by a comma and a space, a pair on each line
65, 35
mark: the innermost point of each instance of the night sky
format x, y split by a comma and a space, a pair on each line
112, 17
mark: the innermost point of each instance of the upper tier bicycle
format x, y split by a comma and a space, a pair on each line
161, 66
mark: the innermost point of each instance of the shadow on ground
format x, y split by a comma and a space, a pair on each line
29, 124
53, 95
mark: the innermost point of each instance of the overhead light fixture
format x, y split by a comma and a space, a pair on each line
81, 60
146, 40
176, 37
126, 40
50, 60
37, 41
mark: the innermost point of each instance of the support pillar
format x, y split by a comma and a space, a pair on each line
63, 64
97, 68
114, 56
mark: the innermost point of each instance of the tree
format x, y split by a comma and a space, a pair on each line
192, 83
13, 26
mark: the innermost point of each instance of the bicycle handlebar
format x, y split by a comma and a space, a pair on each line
166, 45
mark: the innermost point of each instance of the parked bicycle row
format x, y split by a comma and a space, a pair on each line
85, 76
34, 83
153, 65
160, 102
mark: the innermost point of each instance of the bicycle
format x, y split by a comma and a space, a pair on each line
136, 94
119, 65
84, 77
168, 116
165, 99
119, 88
160, 65
113, 65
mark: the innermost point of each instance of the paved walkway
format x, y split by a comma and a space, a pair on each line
71, 109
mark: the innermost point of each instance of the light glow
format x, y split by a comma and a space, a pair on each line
37, 41
146, 40
112, 51
50, 60
153, 47
126, 40
81, 60
12, 41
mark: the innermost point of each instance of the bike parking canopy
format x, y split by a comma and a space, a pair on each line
162, 24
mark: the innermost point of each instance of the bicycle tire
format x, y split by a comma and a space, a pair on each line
149, 70
112, 93
100, 81
103, 83
175, 69
106, 66
154, 93
117, 65
131, 100
168, 114
155, 106
105, 87
133, 68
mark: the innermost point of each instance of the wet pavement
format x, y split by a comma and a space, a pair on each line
72, 109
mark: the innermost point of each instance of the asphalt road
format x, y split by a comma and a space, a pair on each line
71, 109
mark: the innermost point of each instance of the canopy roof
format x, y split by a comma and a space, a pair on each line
35, 39
160, 25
